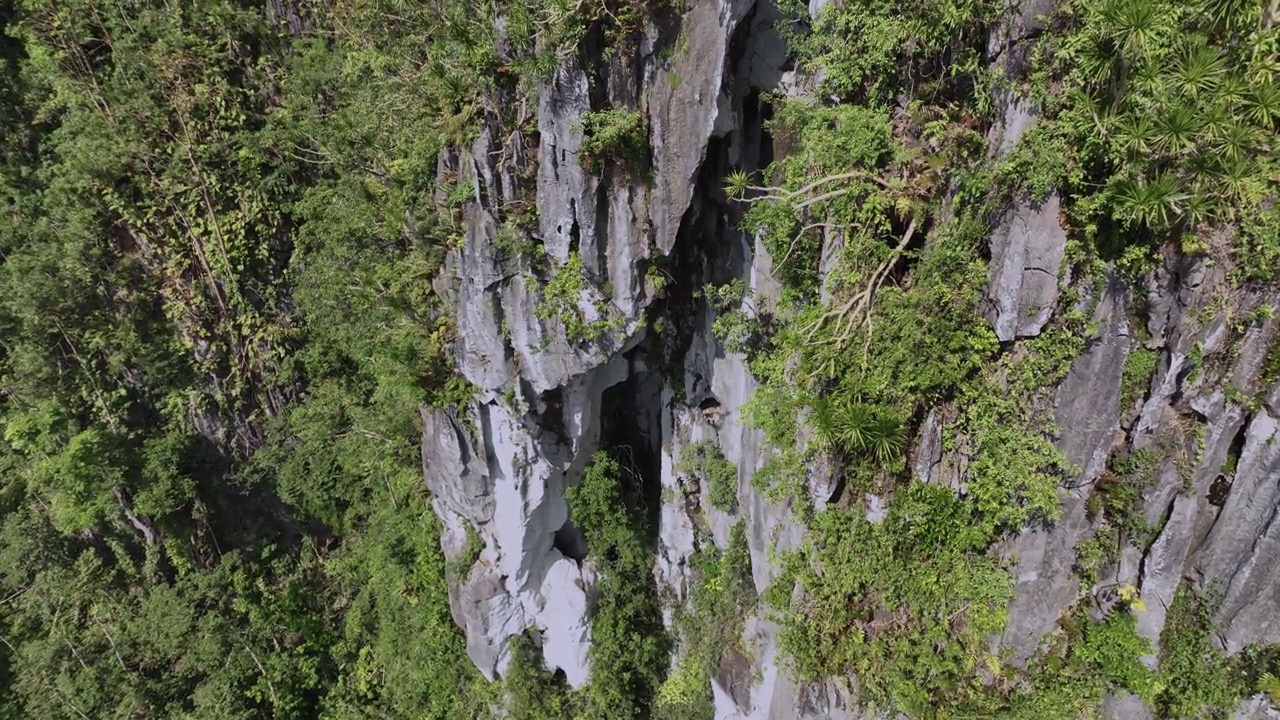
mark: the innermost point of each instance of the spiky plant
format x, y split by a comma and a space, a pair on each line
1232, 90
1264, 106
1235, 142
1200, 68
1096, 63
1153, 202
1270, 684
1135, 25
858, 429
736, 184
1135, 134
1198, 208
884, 440
1215, 119
1176, 128
1239, 180
854, 424
1228, 15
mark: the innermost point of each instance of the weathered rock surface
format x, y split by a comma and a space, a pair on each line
687, 107
499, 468
1026, 258
1087, 408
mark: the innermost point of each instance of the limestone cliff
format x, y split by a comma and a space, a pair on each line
647, 246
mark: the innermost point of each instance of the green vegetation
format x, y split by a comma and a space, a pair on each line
461, 564
629, 646
562, 300
1164, 112
704, 461
613, 136
1139, 369
1199, 681
1086, 659
906, 604
217, 328
532, 693
709, 627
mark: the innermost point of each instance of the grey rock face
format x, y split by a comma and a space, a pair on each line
1125, 706
566, 194
1026, 257
453, 471
481, 350
1087, 403
502, 467
1214, 526
685, 113
1243, 548
1087, 409
1044, 582
1256, 708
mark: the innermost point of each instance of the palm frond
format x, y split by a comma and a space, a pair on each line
1270, 684
1232, 90
1229, 15
736, 184
854, 424
1198, 208
884, 441
1153, 202
1134, 137
1239, 180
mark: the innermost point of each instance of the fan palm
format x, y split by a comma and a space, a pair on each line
1134, 136
736, 184
1198, 208
1153, 203
1270, 685
1239, 180
1232, 90
1228, 15
858, 429
884, 440
854, 423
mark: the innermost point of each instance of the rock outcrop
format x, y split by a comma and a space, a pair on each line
498, 471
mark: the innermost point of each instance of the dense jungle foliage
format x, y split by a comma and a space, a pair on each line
219, 224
